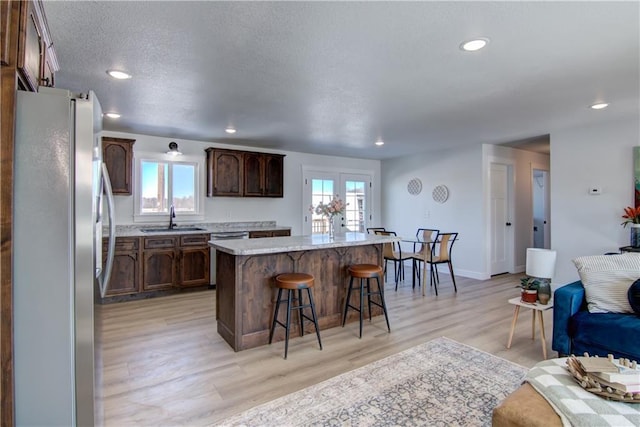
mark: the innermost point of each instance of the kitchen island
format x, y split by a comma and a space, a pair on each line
245, 294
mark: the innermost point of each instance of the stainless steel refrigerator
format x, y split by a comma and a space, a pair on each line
57, 257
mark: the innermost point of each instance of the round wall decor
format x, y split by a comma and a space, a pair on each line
440, 194
414, 187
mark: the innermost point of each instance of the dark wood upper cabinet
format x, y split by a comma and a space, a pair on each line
244, 173
37, 62
273, 175
253, 174
117, 154
224, 172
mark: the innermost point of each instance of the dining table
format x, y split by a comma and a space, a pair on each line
418, 240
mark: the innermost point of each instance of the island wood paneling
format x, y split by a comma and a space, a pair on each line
246, 296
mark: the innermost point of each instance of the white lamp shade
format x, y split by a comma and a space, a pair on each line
541, 263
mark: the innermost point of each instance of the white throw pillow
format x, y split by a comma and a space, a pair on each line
606, 280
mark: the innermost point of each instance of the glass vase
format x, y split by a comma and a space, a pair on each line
544, 291
331, 227
635, 235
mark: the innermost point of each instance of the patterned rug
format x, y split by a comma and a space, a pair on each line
438, 383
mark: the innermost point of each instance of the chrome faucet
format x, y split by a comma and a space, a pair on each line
172, 214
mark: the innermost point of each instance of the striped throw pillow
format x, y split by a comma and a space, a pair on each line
606, 280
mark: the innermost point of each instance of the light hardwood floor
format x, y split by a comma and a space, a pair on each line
163, 362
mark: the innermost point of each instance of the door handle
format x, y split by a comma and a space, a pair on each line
508, 224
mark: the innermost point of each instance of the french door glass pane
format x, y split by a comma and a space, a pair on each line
356, 208
322, 190
155, 186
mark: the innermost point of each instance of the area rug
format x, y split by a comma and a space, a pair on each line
438, 383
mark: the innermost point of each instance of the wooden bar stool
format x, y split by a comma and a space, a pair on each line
365, 271
292, 282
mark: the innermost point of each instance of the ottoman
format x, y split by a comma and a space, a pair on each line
525, 408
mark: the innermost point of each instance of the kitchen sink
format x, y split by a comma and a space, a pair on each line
171, 230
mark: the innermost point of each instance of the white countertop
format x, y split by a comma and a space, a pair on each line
272, 245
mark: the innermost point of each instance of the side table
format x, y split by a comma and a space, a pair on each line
536, 308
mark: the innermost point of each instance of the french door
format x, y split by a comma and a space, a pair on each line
322, 186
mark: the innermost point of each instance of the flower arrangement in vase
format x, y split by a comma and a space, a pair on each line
335, 206
632, 218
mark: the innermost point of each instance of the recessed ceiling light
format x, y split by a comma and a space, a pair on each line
475, 44
230, 129
599, 106
120, 75
379, 142
112, 115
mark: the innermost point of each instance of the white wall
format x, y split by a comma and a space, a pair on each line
286, 211
464, 171
583, 224
461, 171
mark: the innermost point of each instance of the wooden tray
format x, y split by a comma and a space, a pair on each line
592, 384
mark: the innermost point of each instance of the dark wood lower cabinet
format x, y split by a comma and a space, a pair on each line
125, 275
159, 270
194, 260
158, 263
127, 268
269, 233
194, 267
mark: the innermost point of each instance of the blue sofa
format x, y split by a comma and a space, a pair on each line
575, 330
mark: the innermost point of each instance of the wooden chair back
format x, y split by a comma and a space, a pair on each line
388, 249
446, 241
429, 236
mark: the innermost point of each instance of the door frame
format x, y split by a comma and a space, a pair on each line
360, 177
547, 202
337, 174
510, 163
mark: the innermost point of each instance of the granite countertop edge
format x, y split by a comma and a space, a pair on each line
135, 230
272, 245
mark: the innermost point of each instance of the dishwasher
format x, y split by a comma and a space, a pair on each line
222, 235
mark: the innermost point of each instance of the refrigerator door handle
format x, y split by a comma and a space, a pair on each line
106, 274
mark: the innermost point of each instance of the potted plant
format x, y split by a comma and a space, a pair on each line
529, 287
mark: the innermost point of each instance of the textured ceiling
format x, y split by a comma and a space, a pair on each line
332, 77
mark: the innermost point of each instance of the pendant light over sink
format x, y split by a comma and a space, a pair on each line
173, 149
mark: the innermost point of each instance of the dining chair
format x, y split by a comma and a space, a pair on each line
392, 251
372, 230
426, 236
441, 255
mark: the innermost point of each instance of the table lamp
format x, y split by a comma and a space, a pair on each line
541, 264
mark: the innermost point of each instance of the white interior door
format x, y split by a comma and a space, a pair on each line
501, 224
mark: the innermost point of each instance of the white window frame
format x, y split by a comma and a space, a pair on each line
196, 161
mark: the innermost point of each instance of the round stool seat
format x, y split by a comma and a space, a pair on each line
365, 270
294, 281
